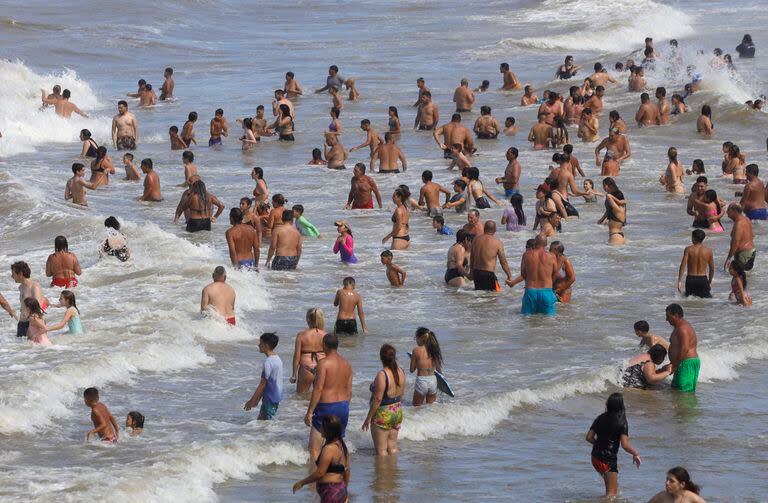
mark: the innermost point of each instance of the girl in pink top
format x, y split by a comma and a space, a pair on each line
37, 330
345, 243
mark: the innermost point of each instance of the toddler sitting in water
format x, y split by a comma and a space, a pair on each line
135, 421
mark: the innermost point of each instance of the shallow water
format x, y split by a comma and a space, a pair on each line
527, 389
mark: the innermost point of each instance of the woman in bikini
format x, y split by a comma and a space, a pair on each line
426, 357
385, 414
394, 123
672, 178
101, 167
283, 125
400, 226
260, 192
308, 350
332, 466
477, 190
566, 276
615, 212
708, 208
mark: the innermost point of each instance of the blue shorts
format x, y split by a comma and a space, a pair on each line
338, 409
246, 264
214, 141
268, 410
539, 301
510, 192
757, 214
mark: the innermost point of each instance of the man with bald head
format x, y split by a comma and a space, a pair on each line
463, 97
454, 132
486, 248
538, 269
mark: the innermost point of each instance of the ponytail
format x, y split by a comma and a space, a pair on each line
388, 357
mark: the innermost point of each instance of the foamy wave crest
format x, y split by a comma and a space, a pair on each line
590, 26
720, 364
480, 417
24, 126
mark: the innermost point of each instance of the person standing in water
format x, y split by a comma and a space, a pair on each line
125, 129
219, 296
426, 358
308, 350
62, 266
609, 431
385, 414
71, 316
683, 356
347, 300
332, 465
486, 249
243, 241
75, 188
104, 423
699, 263
270, 389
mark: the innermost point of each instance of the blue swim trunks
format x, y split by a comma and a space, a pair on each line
338, 409
757, 214
268, 410
539, 301
246, 264
214, 141
510, 192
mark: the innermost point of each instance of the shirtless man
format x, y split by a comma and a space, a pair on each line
700, 264
190, 170
166, 90
699, 189
63, 106
683, 358
595, 102
474, 226
219, 296
280, 99
528, 98
55, 95
388, 155
428, 115
285, 245
336, 155
453, 132
463, 97
75, 188
565, 181
589, 126
148, 98
486, 126
458, 158
28, 288
601, 77
742, 247
648, 113
292, 87
331, 394
552, 108
541, 133
62, 266
509, 127
616, 142
486, 248
125, 129
511, 178
663, 105
511, 82
361, 189
457, 265
430, 194
243, 241
219, 128
567, 69
539, 269
151, 182
372, 138
753, 195
637, 80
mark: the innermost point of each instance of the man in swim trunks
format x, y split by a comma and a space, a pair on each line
285, 245
219, 128
28, 288
361, 188
331, 393
486, 248
336, 155
428, 115
753, 195
219, 296
347, 300
151, 182
430, 195
243, 241
125, 129
62, 266
539, 269
166, 90
742, 247
683, 358
62, 105
601, 77
511, 178
388, 155
454, 132
463, 97
700, 188
541, 133
700, 264
648, 113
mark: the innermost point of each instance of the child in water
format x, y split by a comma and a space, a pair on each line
425, 359
36, 331
395, 273
134, 421
71, 316
738, 286
104, 424
270, 389
176, 142
301, 223
350, 85
589, 188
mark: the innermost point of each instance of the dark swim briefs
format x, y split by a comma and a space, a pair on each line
345, 327
698, 286
284, 263
486, 136
569, 209
198, 224
486, 280
451, 274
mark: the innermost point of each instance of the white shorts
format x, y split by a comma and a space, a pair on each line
425, 385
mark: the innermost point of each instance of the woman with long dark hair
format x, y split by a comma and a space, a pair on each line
386, 412
615, 212
678, 488
426, 357
199, 203
400, 222
332, 466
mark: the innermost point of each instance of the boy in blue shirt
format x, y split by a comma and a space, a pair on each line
438, 223
270, 389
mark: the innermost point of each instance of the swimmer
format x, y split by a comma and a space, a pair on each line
486, 250
483, 87
486, 126
699, 264
385, 414
64, 108
511, 82
458, 158
567, 70
261, 191
438, 223
36, 329
678, 488
753, 195
429, 194
648, 113
590, 194
188, 129
302, 224
372, 138
115, 244
528, 98
672, 178
400, 233
62, 266
428, 114
151, 182
125, 128
249, 138
541, 133
426, 357
135, 421
101, 167
739, 291
348, 300
218, 128
166, 90
243, 241
292, 88
345, 243
75, 188
362, 189
509, 127
616, 142
647, 339
317, 158
644, 373
457, 266
308, 350
336, 155
697, 168
332, 473
285, 245
219, 297
566, 276
615, 212
104, 424
683, 355
511, 179
176, 142
131, 173
89, 145
388, 155
662, 105
463, 97
704, 124
458, 200
589, 126
395, 274
453, 132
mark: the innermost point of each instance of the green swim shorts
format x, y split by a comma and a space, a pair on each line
686, 375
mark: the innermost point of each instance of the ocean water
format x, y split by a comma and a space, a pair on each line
527, 388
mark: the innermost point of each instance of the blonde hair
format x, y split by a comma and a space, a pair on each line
316, 318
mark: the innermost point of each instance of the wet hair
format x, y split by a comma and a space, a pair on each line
611, 184
614, 406
706, 110
101, 152
248, 123
598, 67
236, 215
148, 87
386, 254
394, 111
91, 394
33, 306
57, 88
619, 66
672, 154
679, 98
69, 296
388, 136
21, 268
644, 98
675, 310
260, 107
335, 112
511, 120
600, 89
270, 339
285, 110
740, 272
388, 356
173, 129
516, 200
425, 337
504, 66
439, 219
246, 201
528, 88
349, 280
461, 183
60, 244
76, 166
112, 222
287, 216
568, 148
299, 208
331, 341
698, 166
66, 94
752, 169
402, 195
702, 179
661, 91
278, 200
485, 110
365, 122
85, 133
122, 102
315, 318
259, 172
331, 426
128, 156
147, 162
280, 92
138, 419
456, 117
557, 247
530, 244
188, 156
657, 353
682, 476
426, 175
462, 235
747, 39
642, 326
614, 115
426, 93
711, 197
698, 235
317, 154
360, 166
192, 117
169, 70
514, 151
